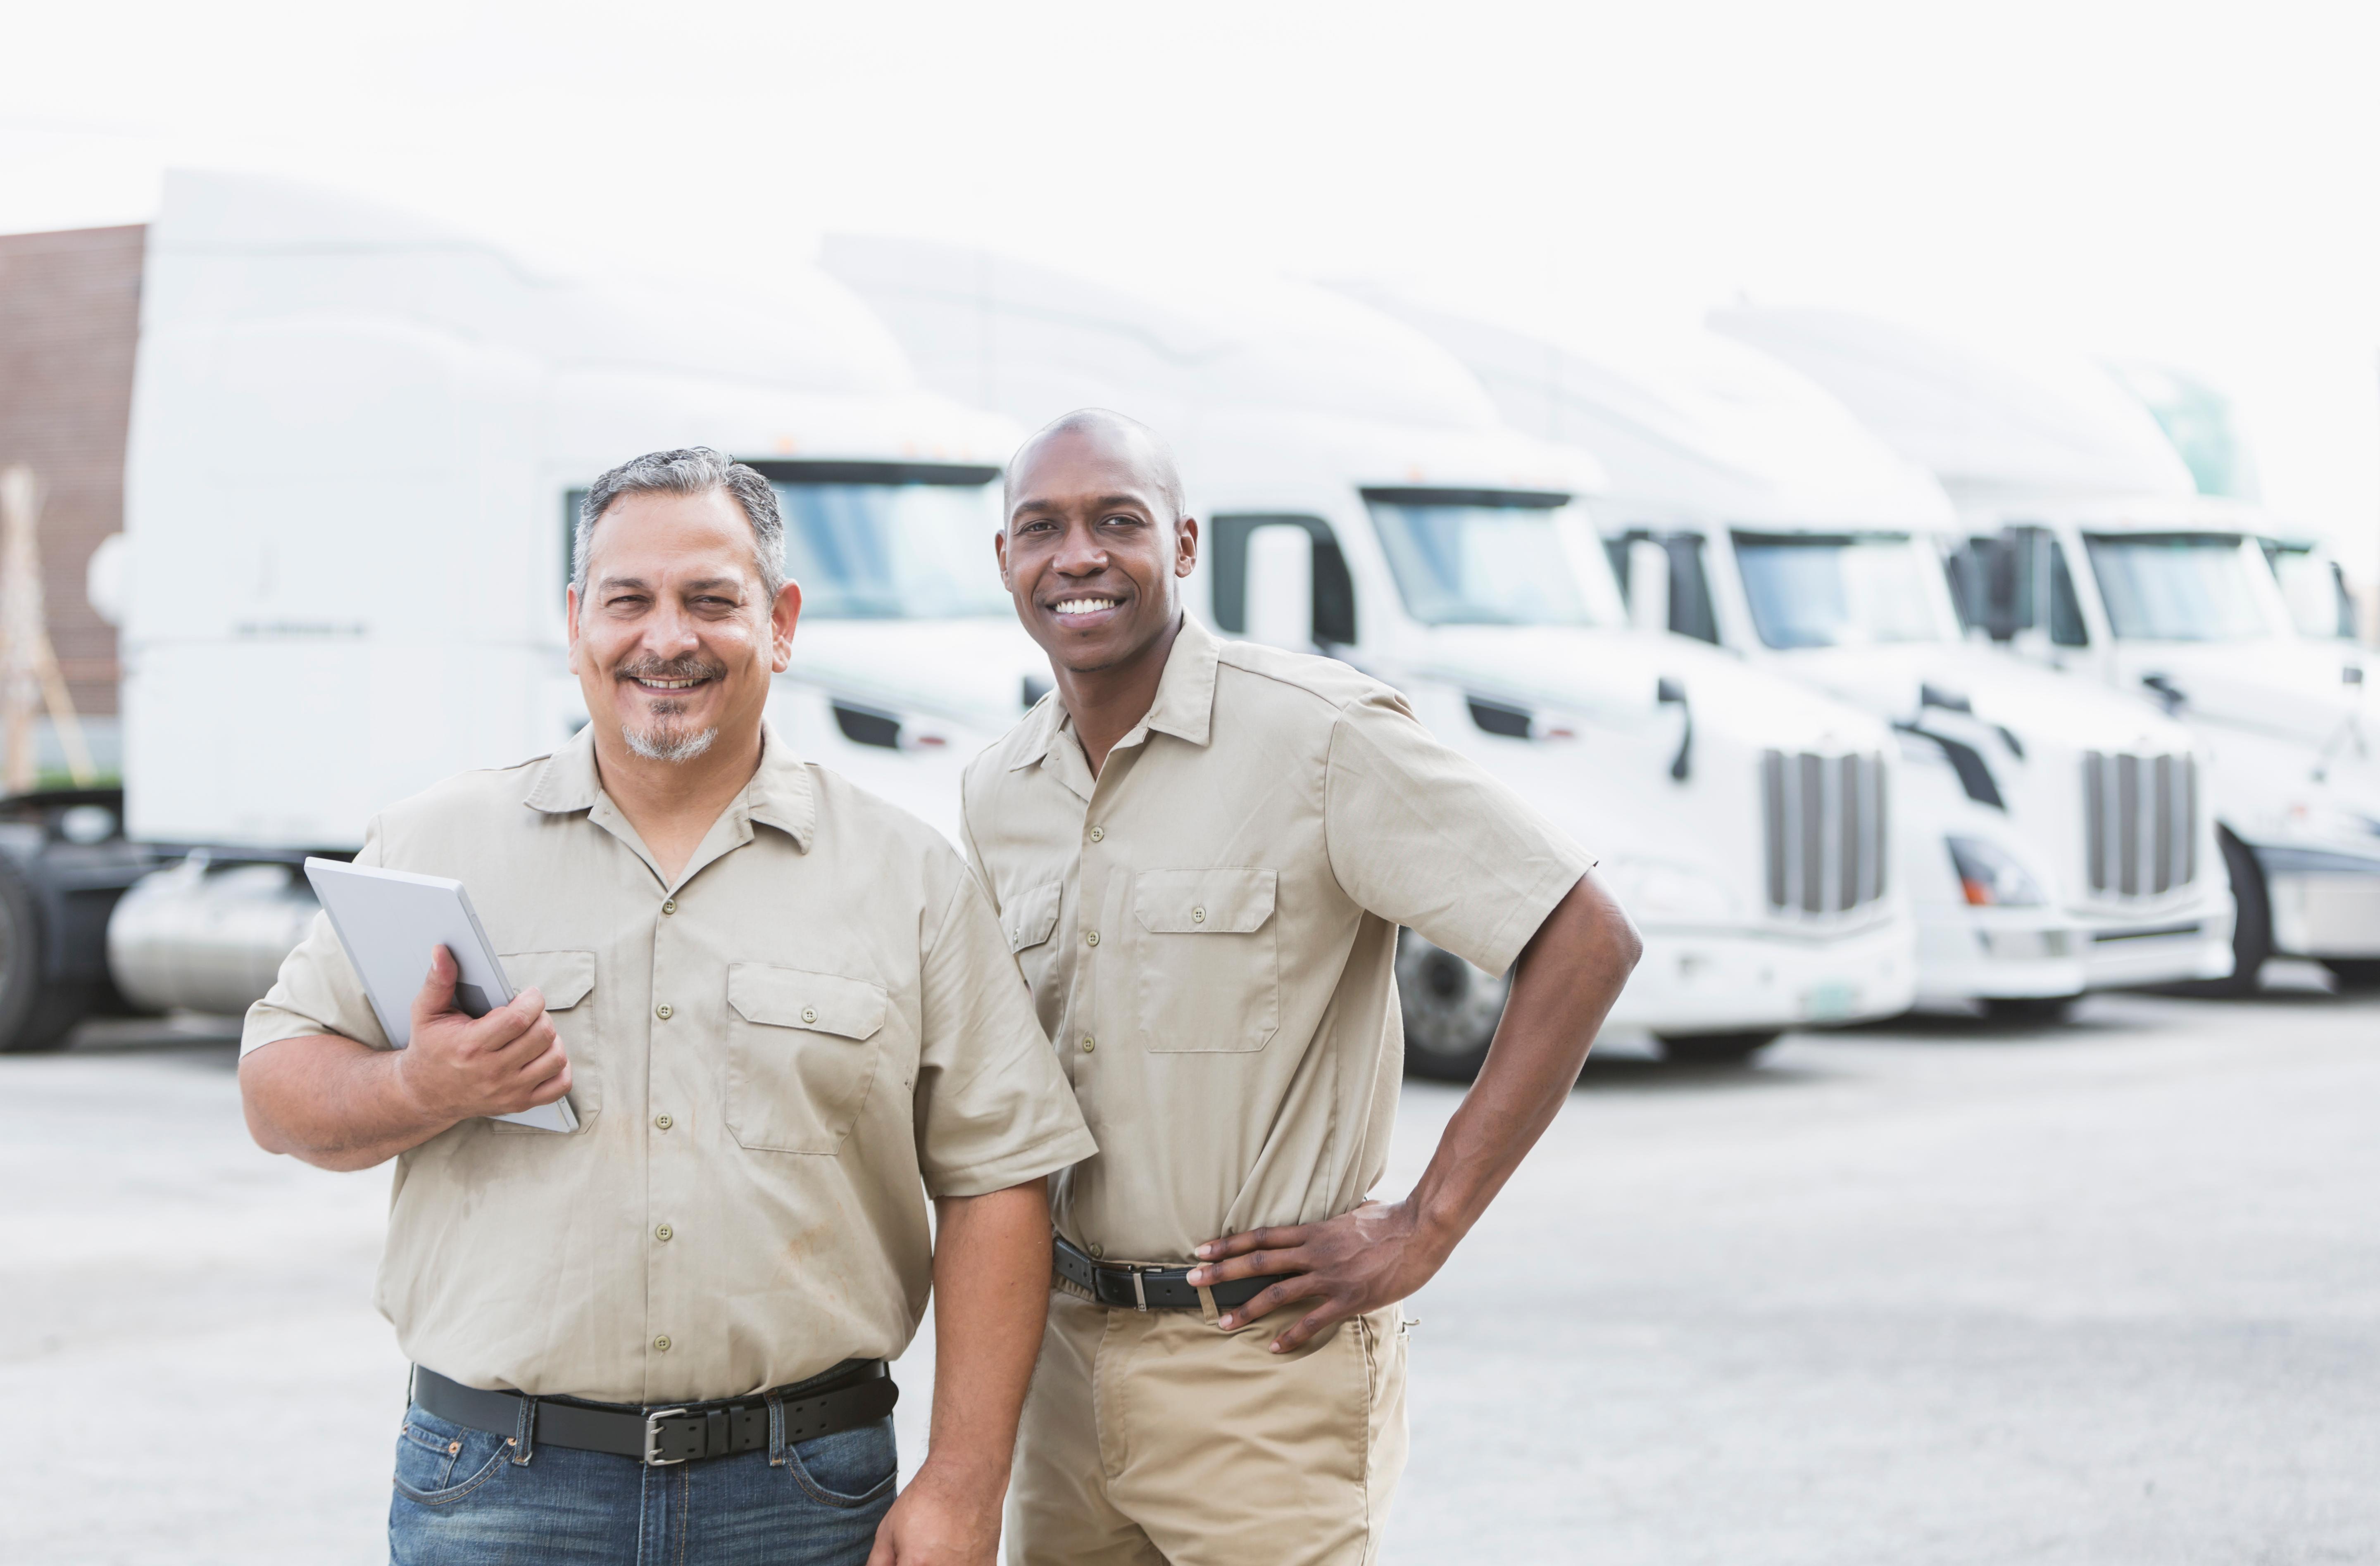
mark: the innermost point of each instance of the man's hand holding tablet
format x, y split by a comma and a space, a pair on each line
458, 1066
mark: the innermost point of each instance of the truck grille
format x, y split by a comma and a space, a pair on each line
2140, 823
1823, 821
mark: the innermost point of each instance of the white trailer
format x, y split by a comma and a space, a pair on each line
2094, 553
357, 443
1754, 511
1361, 498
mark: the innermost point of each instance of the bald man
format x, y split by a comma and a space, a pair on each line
1201, 852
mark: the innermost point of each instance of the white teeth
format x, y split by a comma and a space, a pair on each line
668, 684
1085, 605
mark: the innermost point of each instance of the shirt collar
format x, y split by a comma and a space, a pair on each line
1185, 707
780, 795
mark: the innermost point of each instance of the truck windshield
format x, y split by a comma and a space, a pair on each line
1478, 558
2176, 587
1836, 589
893, 551
2320, 605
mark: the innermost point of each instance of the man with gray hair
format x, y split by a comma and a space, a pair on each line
784, 1015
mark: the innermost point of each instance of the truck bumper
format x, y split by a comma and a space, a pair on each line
1703, 980
1966, 954
2193, 940
2323, 905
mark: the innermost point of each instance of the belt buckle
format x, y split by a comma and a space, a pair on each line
653, 1458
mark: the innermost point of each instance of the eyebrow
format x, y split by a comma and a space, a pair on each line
640, 585
1035, 502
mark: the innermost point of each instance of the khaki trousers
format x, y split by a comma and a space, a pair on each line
1156, 1438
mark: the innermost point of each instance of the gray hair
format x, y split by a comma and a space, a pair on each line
695, 470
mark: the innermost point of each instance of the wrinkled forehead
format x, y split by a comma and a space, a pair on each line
657, 537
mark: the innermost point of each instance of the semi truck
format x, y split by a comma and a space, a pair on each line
2091, 551
1361, 498
357, 443
1749, 508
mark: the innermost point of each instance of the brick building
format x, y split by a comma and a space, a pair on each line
70, 318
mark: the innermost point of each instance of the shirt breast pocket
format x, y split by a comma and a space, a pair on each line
802, 1051
1027, 921
1207, 973
567, 979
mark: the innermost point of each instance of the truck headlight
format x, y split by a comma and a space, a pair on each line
1989, 876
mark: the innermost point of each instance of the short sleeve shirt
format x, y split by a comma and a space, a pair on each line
1209, 928
775, 1057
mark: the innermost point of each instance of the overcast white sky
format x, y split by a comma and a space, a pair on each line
2193, 184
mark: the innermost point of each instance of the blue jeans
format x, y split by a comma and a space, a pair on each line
464, 1499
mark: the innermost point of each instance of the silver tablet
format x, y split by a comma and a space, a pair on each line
388, 920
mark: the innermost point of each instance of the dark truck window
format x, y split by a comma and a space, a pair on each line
1334, 591
1690, 599
1998, 582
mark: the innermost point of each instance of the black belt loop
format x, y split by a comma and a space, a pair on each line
525, 1436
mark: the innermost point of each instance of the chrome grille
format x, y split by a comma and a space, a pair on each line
1823, 828
2140, 823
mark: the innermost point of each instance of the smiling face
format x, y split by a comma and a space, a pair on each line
1094, 545
675, 636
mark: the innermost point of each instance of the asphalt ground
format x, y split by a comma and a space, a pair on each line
1932, 1292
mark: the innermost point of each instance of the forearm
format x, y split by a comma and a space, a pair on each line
332, 1102
1564, 985
992, 1295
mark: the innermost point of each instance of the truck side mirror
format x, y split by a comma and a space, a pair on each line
1649, 585
1280, 587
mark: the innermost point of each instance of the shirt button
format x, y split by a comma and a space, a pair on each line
663, 1122
661, 1344
663, 1232
1090, 1043
1098, 833
662, 1012
1091, 938
1096, 1251
1198, 916
809, 1013
670, 907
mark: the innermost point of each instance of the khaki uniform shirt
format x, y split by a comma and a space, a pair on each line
1210, 930
774, 1059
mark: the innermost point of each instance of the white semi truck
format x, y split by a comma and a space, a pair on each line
1361, 498
2094, 553
1757, 514
358, 440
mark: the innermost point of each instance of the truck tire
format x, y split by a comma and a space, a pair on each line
2040, 1009
34, 1016
2355, 973
1713, 1049
1450, 1010
2251, 924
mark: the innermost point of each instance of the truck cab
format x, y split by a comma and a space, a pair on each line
2087, 550
358, 443
1751, 510
1361, 499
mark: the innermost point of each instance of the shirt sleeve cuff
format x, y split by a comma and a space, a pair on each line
1046, 1157
1528, 912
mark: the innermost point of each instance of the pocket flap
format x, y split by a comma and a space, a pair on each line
1031, 915
563, 977
1225, 902
825, 1002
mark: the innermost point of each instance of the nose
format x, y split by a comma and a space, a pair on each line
670, 631
1080, 553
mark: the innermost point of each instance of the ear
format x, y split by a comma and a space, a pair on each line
1000, 553
570, 616
782, 616
1186, 546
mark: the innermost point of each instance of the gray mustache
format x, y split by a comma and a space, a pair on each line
670, 668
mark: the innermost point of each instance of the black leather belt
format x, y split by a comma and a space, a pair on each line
1129, 1286
857, 1391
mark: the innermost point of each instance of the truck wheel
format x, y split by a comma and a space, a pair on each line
1713, 1049
1450, 1010
2038, 1009
32, 1015
2355, 973
2251, 924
